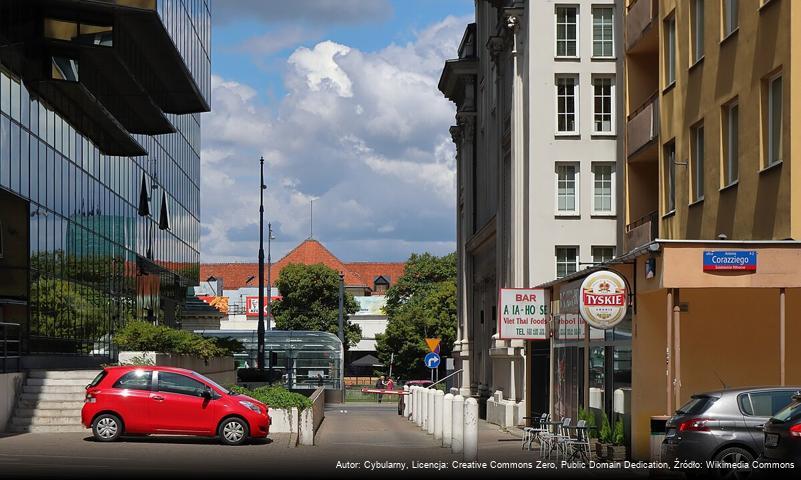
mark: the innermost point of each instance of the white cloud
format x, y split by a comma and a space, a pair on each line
364, 134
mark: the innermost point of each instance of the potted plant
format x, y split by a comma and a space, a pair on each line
589, 417
604, 437
617, 450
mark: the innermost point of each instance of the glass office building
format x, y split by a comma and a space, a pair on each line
99, 165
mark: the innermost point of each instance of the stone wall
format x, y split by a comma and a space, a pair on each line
10, 386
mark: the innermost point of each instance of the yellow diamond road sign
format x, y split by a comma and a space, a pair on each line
433, 343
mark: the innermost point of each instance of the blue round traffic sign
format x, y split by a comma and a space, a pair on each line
431, 360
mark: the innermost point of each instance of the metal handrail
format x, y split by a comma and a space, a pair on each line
5, 343
445, 378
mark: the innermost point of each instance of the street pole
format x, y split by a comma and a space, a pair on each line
269, 279
341, 308
262, 187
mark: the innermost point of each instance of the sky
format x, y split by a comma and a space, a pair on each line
340, 98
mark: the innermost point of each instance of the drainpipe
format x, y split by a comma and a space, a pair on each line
668, 354
782, 337
677, 349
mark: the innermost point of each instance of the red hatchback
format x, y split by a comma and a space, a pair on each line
164, 400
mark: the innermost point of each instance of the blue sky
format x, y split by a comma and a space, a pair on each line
340, 98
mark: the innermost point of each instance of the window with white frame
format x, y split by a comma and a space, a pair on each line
566, 261
774, 121
603, 188
567, 104
603, 31
567, 31
731, 142
567, 201
697, 152
603, 89
731, 16
698, 29
602, 254
670, 50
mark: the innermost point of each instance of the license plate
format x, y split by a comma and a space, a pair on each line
771, 439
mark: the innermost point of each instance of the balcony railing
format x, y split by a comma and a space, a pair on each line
642, 231
639, 17
643, 125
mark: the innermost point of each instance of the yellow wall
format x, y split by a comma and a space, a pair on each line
759, 206
793, 334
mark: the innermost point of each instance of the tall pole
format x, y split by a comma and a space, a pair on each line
260, 359
269, 279
341, 308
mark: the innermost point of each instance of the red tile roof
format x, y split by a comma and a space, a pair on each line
310, 252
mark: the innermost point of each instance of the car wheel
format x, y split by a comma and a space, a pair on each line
107, 428
233, 431
734, 455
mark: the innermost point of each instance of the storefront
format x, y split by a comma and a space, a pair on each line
702, 315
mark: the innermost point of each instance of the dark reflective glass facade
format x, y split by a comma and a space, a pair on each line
76, 257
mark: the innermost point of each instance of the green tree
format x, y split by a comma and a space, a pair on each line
422, 304
310, 301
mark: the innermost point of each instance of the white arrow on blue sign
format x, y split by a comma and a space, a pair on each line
432, 360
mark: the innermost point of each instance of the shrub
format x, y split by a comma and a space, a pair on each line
588, 416
276, 397
143, 336
605, 433
618, 437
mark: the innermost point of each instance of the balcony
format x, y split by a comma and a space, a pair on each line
642, 232
643, 126
640, 19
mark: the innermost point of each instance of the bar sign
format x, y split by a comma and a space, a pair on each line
720, 260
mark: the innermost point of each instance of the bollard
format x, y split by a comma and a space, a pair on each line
447, 420
470, 429
431, 412
439, 407
415, 407
424, 410
457, 423
406, 398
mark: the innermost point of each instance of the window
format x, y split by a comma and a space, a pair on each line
566, 31
774, 121
602, 254
566, 104
764, 404
697, 153
566, 261
566, 189
670, 177
603, 42
136, 380
670, 50
175, 383
603, 189
603, 105
698, 29
731, 142
731, 18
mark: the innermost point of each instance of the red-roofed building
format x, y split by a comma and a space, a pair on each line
361, 278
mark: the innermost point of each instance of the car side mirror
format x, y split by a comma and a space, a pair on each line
206, 393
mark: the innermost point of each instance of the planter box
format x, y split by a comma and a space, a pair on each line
220, 369
616, 452
304, 424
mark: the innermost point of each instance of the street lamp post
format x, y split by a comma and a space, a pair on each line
260, 359
269, 279
341, 307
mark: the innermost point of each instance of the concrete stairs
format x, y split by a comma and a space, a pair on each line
51, 401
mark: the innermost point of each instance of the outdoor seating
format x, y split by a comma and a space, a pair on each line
578, 447
552, 440
532, 433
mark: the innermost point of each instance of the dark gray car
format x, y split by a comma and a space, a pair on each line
723, 426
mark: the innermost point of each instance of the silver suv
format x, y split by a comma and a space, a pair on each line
723, 426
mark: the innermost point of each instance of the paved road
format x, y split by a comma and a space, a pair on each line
366, 440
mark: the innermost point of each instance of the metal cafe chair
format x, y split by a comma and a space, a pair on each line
578, 447
532, 434
552, 439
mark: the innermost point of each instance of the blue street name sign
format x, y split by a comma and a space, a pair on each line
432, 360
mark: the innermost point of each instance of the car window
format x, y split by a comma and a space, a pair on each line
135, 380
177, 383
765, 404
790, 412
99, 378
696, 405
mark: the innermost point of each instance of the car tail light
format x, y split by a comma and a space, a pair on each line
90, 398
694, 425
795, 430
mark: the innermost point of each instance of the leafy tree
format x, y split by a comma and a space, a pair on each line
422, 304
310, 301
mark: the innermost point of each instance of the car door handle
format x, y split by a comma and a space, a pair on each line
157, 398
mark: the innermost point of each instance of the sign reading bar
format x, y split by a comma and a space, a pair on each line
604, 299
717, 260
524, 314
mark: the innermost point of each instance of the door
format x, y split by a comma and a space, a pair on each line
131, 397
178, 405
757, 408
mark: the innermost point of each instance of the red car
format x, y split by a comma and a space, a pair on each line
164, 400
